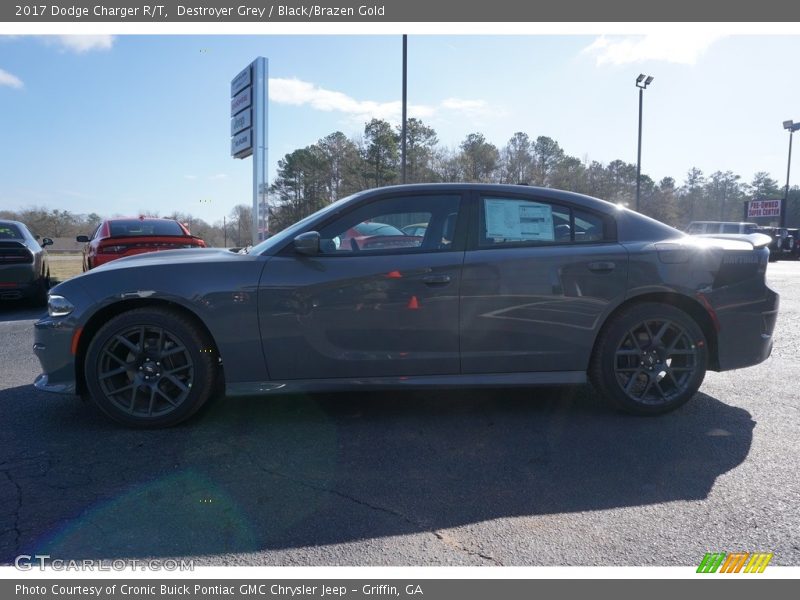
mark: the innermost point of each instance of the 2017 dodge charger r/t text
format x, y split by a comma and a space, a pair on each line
504, 285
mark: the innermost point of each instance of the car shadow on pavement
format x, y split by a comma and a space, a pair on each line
289, 472
20, 310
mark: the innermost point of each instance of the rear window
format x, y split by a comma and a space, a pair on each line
695, 228
10, 232
135, 227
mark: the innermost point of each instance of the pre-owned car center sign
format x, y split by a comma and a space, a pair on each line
764, 208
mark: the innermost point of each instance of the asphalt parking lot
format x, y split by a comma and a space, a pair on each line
545, 477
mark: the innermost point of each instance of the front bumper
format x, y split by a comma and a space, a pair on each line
53, 347
745, 329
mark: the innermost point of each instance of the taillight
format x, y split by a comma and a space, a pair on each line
17, 259
111, 249
16, 254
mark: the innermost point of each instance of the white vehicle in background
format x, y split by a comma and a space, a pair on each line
706, 227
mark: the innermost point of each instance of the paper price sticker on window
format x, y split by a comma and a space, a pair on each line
518, 220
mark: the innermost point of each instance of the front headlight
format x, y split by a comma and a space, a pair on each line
58, 306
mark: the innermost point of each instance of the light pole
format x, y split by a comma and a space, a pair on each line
791, 126
642, 81
404, 132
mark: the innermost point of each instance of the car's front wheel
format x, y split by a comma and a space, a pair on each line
150, 367
650, 358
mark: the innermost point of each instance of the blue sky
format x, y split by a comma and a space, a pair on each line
140, 122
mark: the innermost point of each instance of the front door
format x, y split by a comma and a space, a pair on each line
379, 300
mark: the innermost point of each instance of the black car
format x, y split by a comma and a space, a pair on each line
507, 285
781, 244
24, 265
793, 243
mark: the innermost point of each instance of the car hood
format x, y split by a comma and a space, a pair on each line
168, 257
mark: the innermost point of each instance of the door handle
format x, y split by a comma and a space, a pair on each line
602, 266
436, 279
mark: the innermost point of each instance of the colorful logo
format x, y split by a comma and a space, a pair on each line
734, 562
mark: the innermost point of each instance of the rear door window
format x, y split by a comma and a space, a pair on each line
521, 221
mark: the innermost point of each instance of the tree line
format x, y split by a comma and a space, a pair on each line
235, 230
336, 166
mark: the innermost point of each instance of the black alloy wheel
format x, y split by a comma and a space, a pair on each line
649, 359
150, 367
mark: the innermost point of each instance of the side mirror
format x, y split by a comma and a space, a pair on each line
46, 242
307, 243
82, 238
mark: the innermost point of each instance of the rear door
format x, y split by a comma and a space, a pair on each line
538, 278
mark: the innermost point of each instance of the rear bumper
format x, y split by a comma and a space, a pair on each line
746, 330
17, 281
18, 292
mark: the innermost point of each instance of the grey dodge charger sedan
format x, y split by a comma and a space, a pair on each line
504, 285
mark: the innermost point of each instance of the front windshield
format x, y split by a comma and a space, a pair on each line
280, 238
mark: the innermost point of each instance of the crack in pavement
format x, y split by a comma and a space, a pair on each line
439, 535
17, 509
446, 539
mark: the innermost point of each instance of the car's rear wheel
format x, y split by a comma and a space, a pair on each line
150, 367
42, 287
650, 359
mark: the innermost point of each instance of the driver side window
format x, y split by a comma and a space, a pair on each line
393, 225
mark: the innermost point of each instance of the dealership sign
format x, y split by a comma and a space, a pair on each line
763, 208
248, 116
242, 143
242, 80
241, 122
241, 101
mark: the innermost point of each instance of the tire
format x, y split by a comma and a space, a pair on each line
158, 383
42, 287
649, 359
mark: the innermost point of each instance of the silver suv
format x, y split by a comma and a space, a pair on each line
704, 227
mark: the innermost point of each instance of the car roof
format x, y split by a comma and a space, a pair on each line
140, 219
496, 188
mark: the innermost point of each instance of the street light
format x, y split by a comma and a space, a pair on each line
404, 132
791, 127
642, 81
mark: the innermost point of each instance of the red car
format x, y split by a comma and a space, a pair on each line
373, 235
116, 238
